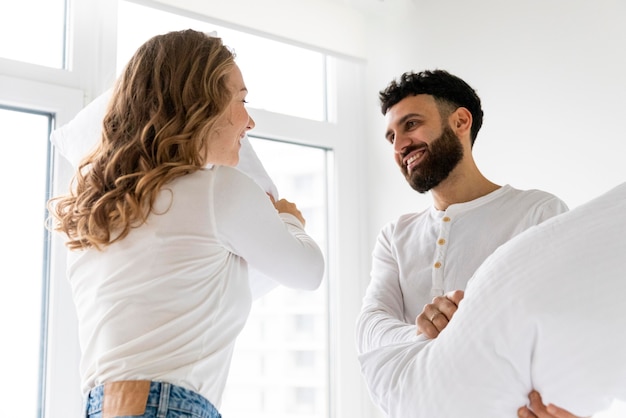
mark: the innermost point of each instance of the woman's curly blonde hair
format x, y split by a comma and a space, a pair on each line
163, 107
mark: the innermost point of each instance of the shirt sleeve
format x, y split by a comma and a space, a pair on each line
250, 164
275, 244
551, 208
380, 321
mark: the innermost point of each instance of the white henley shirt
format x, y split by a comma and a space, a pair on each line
426, 254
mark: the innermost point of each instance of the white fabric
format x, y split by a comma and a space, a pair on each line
167, 301
545, 311
403, 276
78, 137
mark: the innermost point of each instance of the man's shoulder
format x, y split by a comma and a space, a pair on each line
535, 203
529, 196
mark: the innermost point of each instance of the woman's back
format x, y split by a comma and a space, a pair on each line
167, 301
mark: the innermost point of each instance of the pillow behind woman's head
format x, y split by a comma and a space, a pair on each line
79, 136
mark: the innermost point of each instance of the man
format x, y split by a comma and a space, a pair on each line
423, 261
546, 310
433, 119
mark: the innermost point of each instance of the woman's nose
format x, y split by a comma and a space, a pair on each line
251, 123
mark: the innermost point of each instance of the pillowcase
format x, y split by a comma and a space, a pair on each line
78, 137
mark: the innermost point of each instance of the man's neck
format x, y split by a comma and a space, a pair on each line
461, 189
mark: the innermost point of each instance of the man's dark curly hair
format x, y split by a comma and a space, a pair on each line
448, 90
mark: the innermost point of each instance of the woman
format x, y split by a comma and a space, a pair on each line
161, 230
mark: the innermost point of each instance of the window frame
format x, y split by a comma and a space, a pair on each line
60, 362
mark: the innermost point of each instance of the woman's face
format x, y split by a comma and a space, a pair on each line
225, 139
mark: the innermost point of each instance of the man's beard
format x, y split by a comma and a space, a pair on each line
443, 155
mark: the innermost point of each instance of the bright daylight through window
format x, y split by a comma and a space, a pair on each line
271, 80
40, 28
24, 259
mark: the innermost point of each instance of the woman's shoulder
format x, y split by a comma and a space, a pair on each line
229, 174
228, 179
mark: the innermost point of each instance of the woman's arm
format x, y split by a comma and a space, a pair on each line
273, 243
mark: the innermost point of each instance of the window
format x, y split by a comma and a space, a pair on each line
280, 77
281, 363
23, 292
33, 31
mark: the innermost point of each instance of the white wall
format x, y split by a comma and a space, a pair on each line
330, 24
551, 77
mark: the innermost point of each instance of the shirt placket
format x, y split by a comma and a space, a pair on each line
441, 250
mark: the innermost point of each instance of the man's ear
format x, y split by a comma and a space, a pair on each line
461, 121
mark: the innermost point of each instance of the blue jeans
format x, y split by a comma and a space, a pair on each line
165, 400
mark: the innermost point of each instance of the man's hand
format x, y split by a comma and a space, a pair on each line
435, 316
538, 410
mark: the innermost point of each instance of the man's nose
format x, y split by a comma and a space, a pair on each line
400, 143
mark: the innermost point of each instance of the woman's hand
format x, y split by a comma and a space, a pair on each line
285, 206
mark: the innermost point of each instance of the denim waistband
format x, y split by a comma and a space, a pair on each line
163, 394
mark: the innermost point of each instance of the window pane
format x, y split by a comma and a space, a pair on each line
281, 78
33, 31
280, 366
23, 176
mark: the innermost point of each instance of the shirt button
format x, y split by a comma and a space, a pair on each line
446, 219
437, 265
441, 241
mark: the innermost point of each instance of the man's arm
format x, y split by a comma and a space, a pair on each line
381, 320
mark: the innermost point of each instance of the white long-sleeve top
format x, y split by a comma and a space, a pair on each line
546, 311
167, 301
423, 255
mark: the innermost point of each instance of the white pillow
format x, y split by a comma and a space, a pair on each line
78, 137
